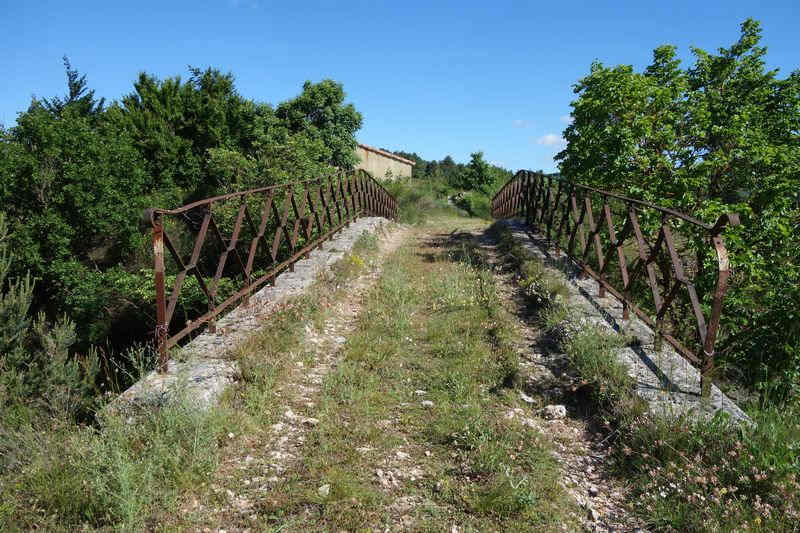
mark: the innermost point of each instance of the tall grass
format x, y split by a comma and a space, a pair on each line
62, 477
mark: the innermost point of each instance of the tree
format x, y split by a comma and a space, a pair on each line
78, 96
478, 173
320, 112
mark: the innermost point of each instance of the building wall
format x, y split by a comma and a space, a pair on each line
378, 164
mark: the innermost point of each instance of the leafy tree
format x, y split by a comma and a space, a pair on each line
320, 112
479, 173
175, 123
721, 136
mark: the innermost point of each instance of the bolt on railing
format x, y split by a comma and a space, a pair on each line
565, 214
234, 243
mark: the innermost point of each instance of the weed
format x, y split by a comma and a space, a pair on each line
114, 475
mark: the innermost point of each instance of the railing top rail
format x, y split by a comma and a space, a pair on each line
221, 197
731, 219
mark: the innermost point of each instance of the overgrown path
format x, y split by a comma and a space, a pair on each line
546, 379
260, 460
411, 399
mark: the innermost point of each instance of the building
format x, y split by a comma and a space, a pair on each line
382, 164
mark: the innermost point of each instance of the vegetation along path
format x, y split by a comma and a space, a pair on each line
406, 403
423, 384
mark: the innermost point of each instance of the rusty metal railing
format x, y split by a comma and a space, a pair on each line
565, 214
246, 239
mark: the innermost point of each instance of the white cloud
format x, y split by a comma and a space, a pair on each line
551, 139
566, 119
520, 123
497, 164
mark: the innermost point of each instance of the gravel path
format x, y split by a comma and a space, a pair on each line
579, 447
253, 466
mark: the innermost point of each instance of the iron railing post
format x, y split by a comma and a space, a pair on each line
723, 273
161, 299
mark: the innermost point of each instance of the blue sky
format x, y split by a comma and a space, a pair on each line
434, 78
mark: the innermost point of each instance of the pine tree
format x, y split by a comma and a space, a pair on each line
79, 97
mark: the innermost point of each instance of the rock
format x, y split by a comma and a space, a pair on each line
554, 412
324, 490
555, 392
593, 514
593, 491
387, 479
427, 403
420, 392
525, 397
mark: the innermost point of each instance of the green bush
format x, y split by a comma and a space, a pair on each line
38, 375
419, 199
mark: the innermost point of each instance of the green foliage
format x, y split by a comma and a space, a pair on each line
708, 475
478, 174
476, 204
417, 199
721, 136
79, 96
320, 113
76, 174
469, 187
72, 478
37, 372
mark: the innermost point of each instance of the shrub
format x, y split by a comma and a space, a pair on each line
37, 372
